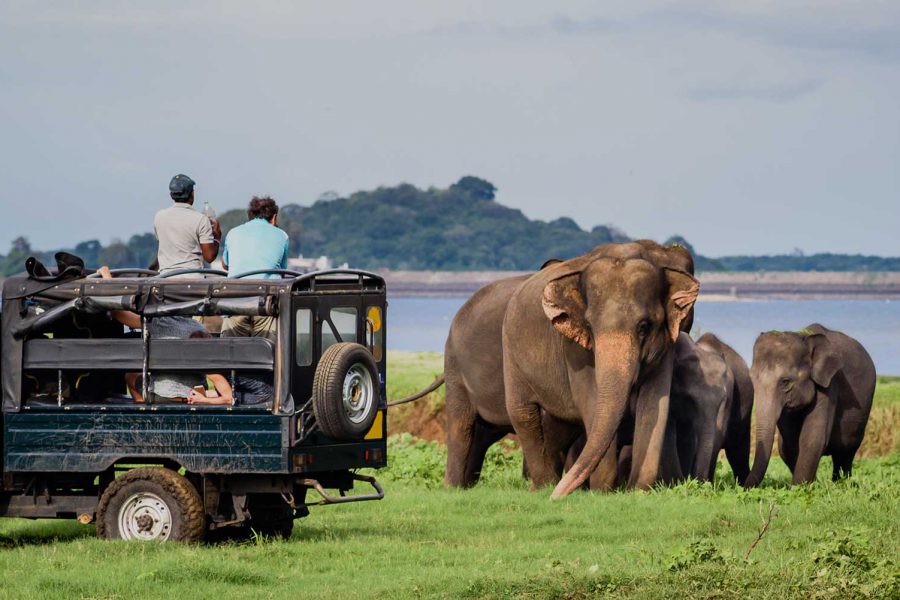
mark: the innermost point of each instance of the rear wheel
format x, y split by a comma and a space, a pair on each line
151, 504
271, 516
345, 391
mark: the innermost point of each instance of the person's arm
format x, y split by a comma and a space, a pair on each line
284, 253
225, 255
208, 234
223, 393
125, 317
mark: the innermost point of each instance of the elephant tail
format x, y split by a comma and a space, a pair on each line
422, 393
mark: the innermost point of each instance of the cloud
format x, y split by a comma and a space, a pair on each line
840, 30
775, 92
867, 29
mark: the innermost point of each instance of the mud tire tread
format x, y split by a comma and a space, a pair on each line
185, 495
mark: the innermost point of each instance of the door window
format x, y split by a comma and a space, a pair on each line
340, 326
303, 345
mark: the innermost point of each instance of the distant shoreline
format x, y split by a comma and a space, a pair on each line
715, 286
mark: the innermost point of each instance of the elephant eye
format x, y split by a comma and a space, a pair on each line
643, 328
785, 383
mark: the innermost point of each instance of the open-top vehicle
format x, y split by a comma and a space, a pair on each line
76, 445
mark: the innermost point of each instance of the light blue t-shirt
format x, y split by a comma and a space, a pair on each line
255, 245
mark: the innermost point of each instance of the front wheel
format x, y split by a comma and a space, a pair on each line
345, 392
153, 505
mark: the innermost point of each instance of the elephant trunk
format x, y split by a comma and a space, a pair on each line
616, 366
705, 459
766, 419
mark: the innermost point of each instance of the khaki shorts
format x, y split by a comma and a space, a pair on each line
244, 326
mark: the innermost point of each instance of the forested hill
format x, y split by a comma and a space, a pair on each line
461, 227
403, 227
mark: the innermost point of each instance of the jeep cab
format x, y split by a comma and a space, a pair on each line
76, 445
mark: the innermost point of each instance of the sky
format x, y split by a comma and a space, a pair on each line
748, 126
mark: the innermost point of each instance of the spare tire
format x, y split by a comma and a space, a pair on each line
345, 392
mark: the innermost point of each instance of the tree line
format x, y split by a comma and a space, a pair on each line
461, 227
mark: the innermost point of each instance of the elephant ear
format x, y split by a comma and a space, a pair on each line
682, 293
564, 305
826, 362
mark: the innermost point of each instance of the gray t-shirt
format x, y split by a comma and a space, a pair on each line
174, 384
180, 230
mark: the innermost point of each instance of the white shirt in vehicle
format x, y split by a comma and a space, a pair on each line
180, 230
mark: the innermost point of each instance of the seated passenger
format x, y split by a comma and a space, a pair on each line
173, 387
180, 387
256, 245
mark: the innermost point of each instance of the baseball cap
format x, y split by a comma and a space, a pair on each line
180, 187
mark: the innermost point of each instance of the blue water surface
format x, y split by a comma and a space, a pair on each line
421, 323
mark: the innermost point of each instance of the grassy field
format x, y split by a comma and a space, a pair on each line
827, 540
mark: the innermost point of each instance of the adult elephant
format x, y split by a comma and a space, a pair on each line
816, 386
737, 437
582, 336
473, 368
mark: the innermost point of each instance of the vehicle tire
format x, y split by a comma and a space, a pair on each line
271, 516
345, 392
151, 504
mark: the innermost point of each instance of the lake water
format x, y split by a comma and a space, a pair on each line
421, 323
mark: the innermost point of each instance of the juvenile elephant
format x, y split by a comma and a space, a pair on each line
737, 437
702, 394
579, 339
473, 368
816, 385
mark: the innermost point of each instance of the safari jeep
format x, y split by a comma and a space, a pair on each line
76, 445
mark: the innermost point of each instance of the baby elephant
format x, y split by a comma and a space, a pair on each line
816, 385
702, 393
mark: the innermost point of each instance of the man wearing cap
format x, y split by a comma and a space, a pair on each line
186, 237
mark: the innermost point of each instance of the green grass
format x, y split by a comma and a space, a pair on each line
498, 540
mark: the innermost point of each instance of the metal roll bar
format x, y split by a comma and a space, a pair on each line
282, 272
128, 271
218, 272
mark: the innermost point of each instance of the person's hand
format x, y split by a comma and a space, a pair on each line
105, 272
196, 398
216, 229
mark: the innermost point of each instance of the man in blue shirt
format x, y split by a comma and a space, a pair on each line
257, 244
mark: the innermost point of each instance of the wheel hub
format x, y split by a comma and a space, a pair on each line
145, 516
358, 393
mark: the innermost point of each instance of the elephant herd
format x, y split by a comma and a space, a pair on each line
590, 363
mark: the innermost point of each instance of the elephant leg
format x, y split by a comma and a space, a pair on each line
651, 442
843, 464
564, 441
623, 468
737, 449
788, 441
525, 416
484, 436
679, 450
603, 479
814, 434
461, 419
686, 449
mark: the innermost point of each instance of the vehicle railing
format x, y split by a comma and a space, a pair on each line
128, 271
177, 272
325, 276
283, 272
